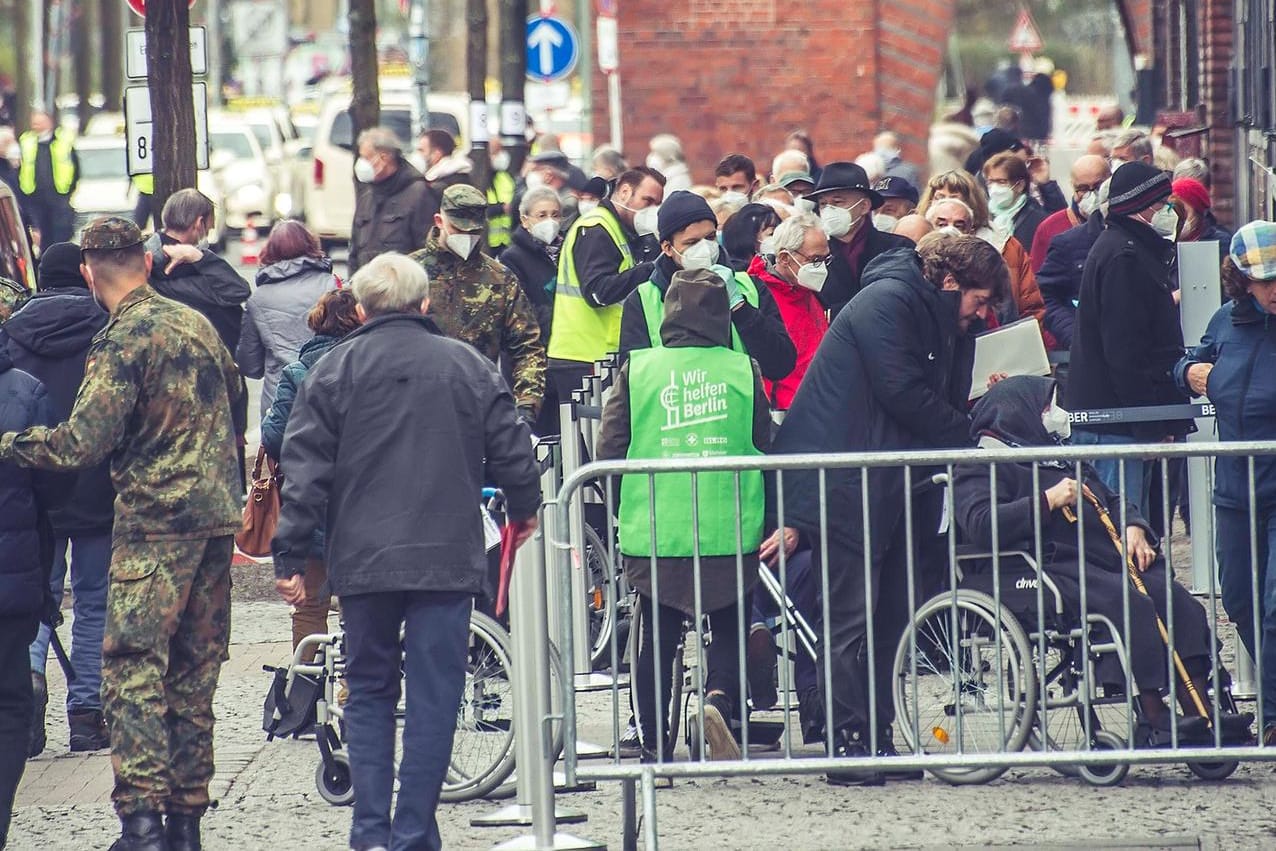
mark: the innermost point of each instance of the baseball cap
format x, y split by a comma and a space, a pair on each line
465, 207
110, 233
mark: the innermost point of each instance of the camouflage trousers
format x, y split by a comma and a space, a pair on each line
167, 634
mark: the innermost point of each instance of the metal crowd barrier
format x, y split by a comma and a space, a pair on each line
995, 692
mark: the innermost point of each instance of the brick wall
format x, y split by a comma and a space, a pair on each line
1217, 37
738, 75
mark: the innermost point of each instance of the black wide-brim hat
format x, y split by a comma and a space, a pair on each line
837, 176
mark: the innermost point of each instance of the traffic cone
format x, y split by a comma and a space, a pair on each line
249, 254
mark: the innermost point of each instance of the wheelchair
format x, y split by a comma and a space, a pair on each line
970, 679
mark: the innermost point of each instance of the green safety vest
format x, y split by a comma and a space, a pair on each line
145, 183
498, 225
580, 331
653, 308
60, 154
691, 403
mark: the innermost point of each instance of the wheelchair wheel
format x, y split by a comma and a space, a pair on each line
1105, 775
483, 746
1037, 742
333, 780
510, 785
602, 606
1214, 770
973, 690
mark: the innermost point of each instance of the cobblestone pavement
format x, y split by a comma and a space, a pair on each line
268, 798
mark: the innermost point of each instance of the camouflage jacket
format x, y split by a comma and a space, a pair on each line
156, 400
478, 301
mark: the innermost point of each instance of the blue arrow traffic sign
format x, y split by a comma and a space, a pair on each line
552, 49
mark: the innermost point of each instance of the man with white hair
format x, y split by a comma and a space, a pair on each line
393, 205
951, 214
409, 563
1130, 146
667, 158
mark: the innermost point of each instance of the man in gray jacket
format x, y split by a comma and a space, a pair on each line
395, 431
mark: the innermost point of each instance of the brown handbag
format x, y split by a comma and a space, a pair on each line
261, 512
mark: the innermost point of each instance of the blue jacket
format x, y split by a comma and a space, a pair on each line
25, 496
275, 423
1060, 276
1241, 343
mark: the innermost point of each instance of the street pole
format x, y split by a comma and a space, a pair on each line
213, 45
476, 79
419, 52
586, 70
513, 78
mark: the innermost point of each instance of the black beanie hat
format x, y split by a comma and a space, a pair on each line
60, 266
680, 209
1137, 186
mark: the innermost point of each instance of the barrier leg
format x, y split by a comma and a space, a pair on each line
532, 713
629, 813
1244, 684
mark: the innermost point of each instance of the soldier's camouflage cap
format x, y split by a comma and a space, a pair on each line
109, 233
465, 207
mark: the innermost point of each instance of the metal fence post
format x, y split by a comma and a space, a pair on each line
533, 710
573, 432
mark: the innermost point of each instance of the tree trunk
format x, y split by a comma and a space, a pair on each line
109, 22
81, 21
168, 68
365, 107
513, 76
476, 79
24, 87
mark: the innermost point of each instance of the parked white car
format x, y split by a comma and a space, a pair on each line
247, 181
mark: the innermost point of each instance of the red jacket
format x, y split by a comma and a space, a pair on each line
806, 323
1053, 225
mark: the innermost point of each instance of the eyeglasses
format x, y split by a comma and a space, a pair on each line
1082, 188
814, 261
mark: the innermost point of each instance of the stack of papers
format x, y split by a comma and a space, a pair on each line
1014, 349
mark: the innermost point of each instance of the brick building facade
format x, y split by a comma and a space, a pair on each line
739, 75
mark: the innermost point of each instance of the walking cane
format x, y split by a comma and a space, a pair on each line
1133, 572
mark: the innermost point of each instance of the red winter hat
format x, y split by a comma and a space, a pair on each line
1192, 193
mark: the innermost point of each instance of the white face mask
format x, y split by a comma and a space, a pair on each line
535, 180
702, 255
1165, 222
885, 223
1088, 204
1000, 197
462, 244
645, 221
951, 230
767, 247
545, 230
585, 205
501, 161
733, 197
1055, 419
364, 172
837, 221
811, 276
1115, 163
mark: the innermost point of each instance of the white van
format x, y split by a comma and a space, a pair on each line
329, 199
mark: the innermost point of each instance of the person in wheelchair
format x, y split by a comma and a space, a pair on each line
1024, 411
691, 397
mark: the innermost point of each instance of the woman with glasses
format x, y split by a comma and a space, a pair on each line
1027, 300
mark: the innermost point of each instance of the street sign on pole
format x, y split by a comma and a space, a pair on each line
137, 128
1025, 37
608, 45
139, 6
553, 49
135, 53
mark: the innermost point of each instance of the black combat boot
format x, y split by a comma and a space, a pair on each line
182, 831
851, 745
142, 831
88, 730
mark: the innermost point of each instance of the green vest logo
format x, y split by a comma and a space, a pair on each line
693, 401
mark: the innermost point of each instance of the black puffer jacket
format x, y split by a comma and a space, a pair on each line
24, 495
537, 272
210, 286
399, 455
49, 338
1127, 337
892, 373
843, 281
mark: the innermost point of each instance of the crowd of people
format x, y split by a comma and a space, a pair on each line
808, 308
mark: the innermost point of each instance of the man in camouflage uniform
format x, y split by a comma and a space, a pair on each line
478, 301
156, 399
